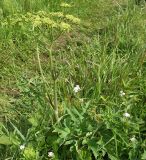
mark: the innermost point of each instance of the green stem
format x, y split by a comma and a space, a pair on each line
55, 84
42, 75
55, 101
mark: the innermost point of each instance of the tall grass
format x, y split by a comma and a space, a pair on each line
10, 7
43, 117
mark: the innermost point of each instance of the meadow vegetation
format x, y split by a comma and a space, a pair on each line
72, 80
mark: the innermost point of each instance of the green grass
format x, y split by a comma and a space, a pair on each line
40, 66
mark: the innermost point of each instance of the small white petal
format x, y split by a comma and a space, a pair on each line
51, 154
89, 134
122, 93
76, 88
22, 147
133, 139
127, 115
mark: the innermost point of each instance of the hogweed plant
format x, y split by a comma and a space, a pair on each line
50, 26
84, 101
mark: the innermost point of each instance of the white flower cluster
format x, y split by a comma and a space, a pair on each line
127, 115
133, 139
22, 147
122, 93
76, 88
51, 154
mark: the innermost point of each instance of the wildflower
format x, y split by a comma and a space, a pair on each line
29, 153
65, 5
133, 139
81, 100
65, 26
37, 23
89, 134
127, 115
22, 147
51, 154
73, 19
29, 14
49, 22
4, 23
41, 13
77, 88
58, 14
122, 93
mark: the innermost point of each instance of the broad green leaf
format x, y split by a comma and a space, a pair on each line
84, 154
71, 115
63, 132
92, 144
75, 111
5, 140
51, 139
112, 157
144, 155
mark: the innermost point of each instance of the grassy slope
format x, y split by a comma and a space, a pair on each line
105, 55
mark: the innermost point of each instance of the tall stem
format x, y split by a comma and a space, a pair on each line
55, 84
55, 101
44, 80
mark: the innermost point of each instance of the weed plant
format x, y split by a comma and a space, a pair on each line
73, 80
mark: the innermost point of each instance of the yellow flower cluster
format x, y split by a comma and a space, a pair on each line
49, 22
36, 21
73, 19
65, 26
58, 14
29, 153
65, 5
42, 19
41, 13
4, 23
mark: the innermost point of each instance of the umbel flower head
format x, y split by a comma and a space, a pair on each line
73, 19
57, 14
65, 26
65, 5
49, 22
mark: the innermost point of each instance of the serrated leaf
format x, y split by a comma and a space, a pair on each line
92, 144
63, 132
71, 115
84, 154
75, 111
